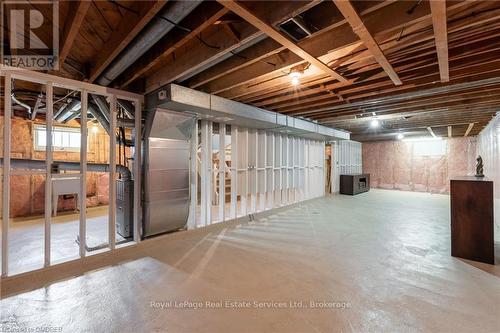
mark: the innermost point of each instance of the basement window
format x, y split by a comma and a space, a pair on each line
63, 138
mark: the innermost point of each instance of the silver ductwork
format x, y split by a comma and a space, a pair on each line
171, 14
218, 109
18, 163
166, 171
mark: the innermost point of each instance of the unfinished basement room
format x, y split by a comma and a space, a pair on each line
287, 166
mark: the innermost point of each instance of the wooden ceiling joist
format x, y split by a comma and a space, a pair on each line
77, 12
360, 29
195, 57
147, 63
439, 24
270, 31
469, 129
131, 24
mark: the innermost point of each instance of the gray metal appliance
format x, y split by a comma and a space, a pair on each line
166, 171
125, 207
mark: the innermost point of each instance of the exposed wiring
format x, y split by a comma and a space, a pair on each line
124, 7
206, 44
412, 8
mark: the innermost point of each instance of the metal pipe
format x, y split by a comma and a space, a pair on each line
169, 16
62, 112
72, 116
19, 163
100, 118
103, 105
128, 108
26, 106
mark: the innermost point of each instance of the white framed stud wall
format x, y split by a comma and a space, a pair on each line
266, 170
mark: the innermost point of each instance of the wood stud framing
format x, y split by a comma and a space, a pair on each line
83, 174
469, 128
438, 10
360, 29
50, 82
48, 172
6, 173
241, 11
268, 170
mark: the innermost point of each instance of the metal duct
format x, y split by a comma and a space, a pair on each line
166, 171
17, 163
173, 12
72, 116
218, 109
103, 106
100, 118
252, 40
62, 112
128, 108
26, 106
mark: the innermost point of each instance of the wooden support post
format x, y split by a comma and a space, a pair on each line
270, 163
206, 174
112, 173
244, 153
48, 171
469, 128
82, 196
234, 171
137, 170
262, 170
193, 178
6, 173
222, 171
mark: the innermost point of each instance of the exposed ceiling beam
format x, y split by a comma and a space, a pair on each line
438, 10
132, 24
270, 31
147, 62
450, 131
195, 56
431, 132
231, 31
471, 125
366, 37
268, 48
345, 42
77, 12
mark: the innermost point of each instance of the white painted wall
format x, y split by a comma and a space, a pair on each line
346, 159
488, 146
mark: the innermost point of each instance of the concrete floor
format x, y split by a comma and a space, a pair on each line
381, 260
26, 238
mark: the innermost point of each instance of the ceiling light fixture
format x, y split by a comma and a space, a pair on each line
375, 123
295, 77
400, 136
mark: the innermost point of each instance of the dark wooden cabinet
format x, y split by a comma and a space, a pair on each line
354, 184
472, 219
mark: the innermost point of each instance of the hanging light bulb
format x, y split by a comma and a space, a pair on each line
295, 78
95, 128
400, 136
375, 123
